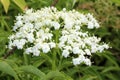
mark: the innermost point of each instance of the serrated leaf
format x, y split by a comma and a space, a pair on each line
111, 69
54, 74
21, 3
11, 63
110, 58
6, 68
32, 70
65, 64
5, 4
46, 57
92, 71
38, 62
88, 77
112, 76
68, 77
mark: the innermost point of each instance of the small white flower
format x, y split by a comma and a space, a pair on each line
94, 48
61, 44
68, 25
87, 51
52, 44
83, 19
19, 43
36, 52
19, 23
63, 38
87, 62
56, 25
76, 61
90, 25
65, 53
38, 25
30, 37
76, 50
64, 9
69, 48
97, 25
77, 27
28, 50
105, 46
19, 17
45, 48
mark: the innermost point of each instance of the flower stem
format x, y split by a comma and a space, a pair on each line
54, 60
26, 61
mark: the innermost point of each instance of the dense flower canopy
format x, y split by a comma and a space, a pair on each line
43, 30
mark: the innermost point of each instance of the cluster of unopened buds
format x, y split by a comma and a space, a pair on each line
40, 31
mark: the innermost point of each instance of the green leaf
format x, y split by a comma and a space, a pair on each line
93, 71
32, 70
111, 69
3, 40
88, 77
5, 4
6, 68
11, 63
112, 76
54, 74
21, 3
110, 58
65, 64
38, 62
46, 57
68, 77
74, 2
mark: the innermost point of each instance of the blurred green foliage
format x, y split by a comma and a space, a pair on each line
19, 3
106, 66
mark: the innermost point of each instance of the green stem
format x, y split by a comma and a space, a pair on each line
54, 51
57, 36
60, 62
26, 61
54, 60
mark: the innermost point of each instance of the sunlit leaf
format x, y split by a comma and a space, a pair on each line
5, 4
21, 3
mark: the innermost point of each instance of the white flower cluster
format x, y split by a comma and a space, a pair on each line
35, 33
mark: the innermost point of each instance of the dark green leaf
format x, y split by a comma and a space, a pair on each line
111, 69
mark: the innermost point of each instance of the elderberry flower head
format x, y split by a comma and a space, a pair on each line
43, 30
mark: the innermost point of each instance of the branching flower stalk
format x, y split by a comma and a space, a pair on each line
40, 31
